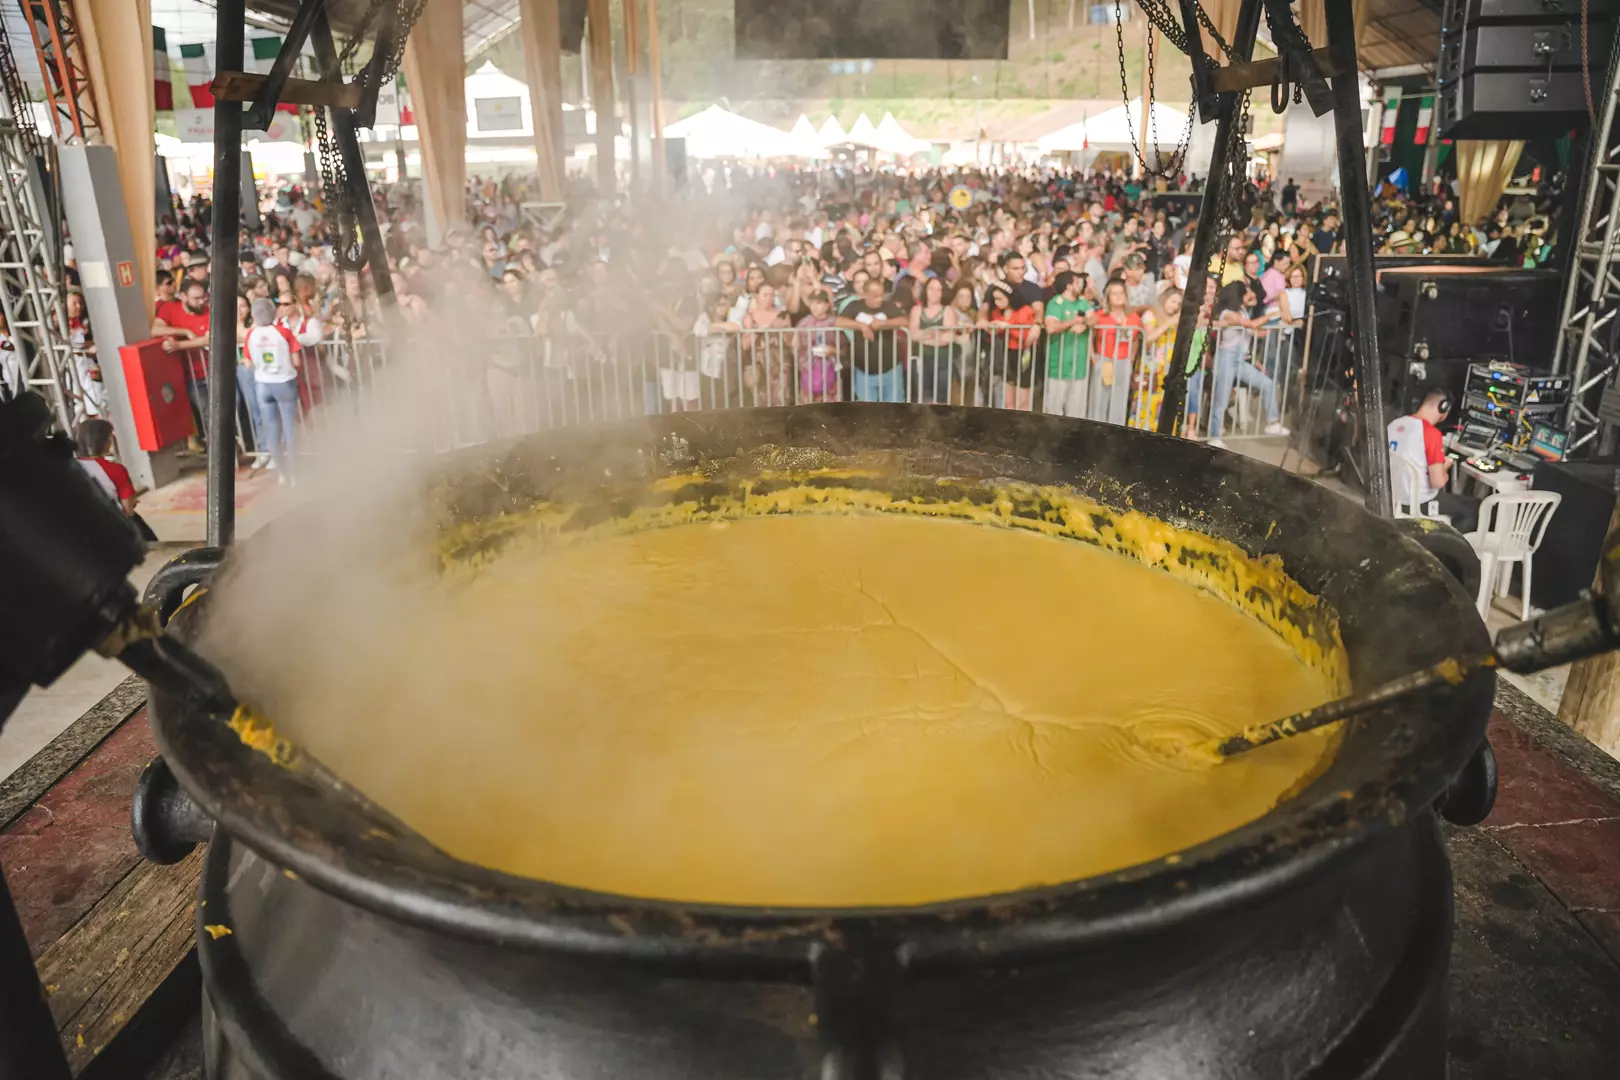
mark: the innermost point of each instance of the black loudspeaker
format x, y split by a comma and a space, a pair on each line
1568, 556
861, 29
1511, 69
1441, 312
571, 24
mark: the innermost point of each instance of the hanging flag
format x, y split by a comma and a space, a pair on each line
260, 56
198, 62
162, 84
1424, 118
1392, 110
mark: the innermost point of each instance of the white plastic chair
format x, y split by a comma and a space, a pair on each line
1510, 529
1406, 487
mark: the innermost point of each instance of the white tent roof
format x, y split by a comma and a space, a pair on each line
894, 139
803, 128
714, 132
862, 133
832, 132
1112, 130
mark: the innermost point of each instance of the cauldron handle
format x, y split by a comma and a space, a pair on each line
1472, 793
855, 989
1447, 546
177, 575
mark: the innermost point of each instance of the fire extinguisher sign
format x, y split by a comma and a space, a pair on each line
126, 273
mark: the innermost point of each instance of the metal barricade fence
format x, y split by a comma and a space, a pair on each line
500, 387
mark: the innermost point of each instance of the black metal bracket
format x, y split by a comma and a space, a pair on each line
354, 163
371, 79
1298, 62
1204, 94
264, 107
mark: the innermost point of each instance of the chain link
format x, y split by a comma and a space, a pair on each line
1178, 158
342, 214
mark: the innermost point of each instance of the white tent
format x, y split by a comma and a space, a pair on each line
806, 140
832, 132
894, 139
714, 132
862, 133
1113, 130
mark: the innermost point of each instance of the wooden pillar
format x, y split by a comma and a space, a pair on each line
542, 61
1591, 701
656, 79
599, 42
436, 74
630, 10
121, 79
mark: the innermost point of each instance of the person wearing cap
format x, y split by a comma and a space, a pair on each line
1068, 334
273, 354
197, 267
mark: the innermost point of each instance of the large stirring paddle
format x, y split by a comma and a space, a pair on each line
1589, 626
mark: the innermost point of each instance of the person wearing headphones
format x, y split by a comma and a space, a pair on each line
1417, 439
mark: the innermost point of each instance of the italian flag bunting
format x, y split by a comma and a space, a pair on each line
1424, 118
1392, 110
198, 62
162, 84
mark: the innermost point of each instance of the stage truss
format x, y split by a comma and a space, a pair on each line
1587, 343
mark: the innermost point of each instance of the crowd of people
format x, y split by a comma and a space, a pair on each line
1048, 289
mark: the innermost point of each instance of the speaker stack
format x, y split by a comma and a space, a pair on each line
1511, 69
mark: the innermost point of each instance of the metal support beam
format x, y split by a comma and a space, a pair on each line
354, 167
1175, 379
60, 48
226, 241
271, 90
1355, 204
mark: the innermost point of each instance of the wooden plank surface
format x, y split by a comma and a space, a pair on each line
104, 968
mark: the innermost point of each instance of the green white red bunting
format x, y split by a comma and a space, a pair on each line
197, 68
162, 78
1425, 119
1392, 110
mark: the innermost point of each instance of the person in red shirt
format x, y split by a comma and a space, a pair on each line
94, 439
184, 329
1012, 332
166, 300
1417, 440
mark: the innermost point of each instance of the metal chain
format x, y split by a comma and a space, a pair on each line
1183, 144
1159, 14
343, 217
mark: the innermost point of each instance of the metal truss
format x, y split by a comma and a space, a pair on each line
35, 308
1588, 344
55, 28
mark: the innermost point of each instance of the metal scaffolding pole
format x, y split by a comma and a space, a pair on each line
1592, 287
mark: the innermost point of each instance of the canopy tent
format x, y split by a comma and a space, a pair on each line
831, 133
1112, 131
894, 139
862, 133
715, 132
806, 140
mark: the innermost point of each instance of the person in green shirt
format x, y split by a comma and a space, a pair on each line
1068, 334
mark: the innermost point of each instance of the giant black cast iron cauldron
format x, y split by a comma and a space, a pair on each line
1310, 943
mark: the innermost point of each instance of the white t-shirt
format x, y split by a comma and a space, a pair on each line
270, 349
1406, 441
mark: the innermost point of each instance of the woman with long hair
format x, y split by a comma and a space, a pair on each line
1116, 336
933, 323
1009, 335
1236, 324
